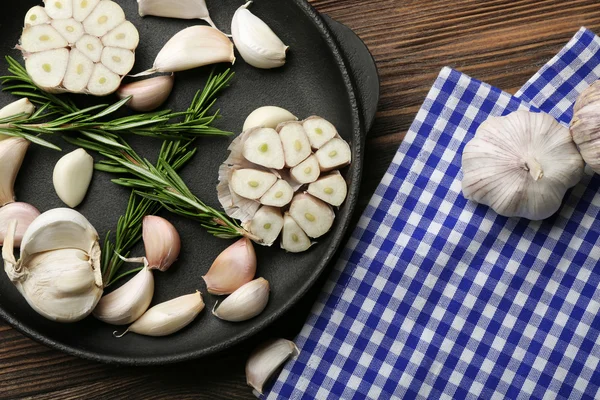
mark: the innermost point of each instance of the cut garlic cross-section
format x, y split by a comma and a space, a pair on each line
67, 43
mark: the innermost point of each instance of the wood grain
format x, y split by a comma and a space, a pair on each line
502, 42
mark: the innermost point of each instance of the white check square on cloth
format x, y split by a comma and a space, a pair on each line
438, 297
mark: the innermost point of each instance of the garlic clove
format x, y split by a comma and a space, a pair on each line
120, 61
331, 189
47, 68
245, 303
319, 131
83, 8
72, 176
251, 183
106, 16
267, 224
12, 153
296, 146
21, 106
23, 213
103, 81
234, 205
40, 38
69, 29
169, 317
36, 16
266, 359
59, 9
90, 46
263, 147
161, 242
267, 117
334, 154
127, 303
293, 238
307, 171
79, 71
314, 216
279, 195
181, 9
256, 42
193, 47
124, 36
147, 94
585, 123
233, 268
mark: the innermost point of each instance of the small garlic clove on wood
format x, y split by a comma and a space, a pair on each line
232, 269
251, 183
23, 213
127, 303
279, 195
36, 16
266, 359
72, 176
307, 171
319, 131
12, 153
293, 238
161, 242
147, 94
245, 303
334, 154
192, 47
262, 146
256, 42
296, 146
267, 117
331, 189
169, 317
314, 216
521, 165
181, 9
267, 224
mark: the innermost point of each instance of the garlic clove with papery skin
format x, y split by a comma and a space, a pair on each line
23, 213
148, 94
181, 9
162, 242
22, 106
233, 268
127, 303
12, 153
266, 359
256, 42
521, 165
169, 317
192, 47
245, 303
59, 272
267, 117
72, 176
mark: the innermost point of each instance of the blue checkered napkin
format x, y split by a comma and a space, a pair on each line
438, 297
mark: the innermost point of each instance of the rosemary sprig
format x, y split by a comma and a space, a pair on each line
91, 121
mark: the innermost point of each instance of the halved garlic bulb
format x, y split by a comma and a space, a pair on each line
59, 270
521, 165
97, 29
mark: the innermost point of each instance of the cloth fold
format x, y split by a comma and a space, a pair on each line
435, 296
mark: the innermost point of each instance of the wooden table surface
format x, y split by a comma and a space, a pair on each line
502, 42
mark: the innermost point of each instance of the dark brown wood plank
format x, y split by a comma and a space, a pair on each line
502, 42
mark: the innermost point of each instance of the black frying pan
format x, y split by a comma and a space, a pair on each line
321, 77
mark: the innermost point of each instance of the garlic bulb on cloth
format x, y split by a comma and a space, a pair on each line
585, 126
59, 270
521, 165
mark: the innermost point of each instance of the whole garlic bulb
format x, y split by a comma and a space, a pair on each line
585, 125
59, 270
521, 165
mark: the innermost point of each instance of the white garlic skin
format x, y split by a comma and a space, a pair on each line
256, 42
521, 165
162, 242
180, 9
585, 125
24, 213
234, 267
72, 176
